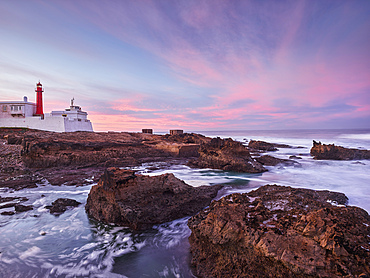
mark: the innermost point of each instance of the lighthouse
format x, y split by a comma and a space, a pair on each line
39, 108
25, 114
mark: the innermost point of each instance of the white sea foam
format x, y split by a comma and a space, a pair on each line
364, 136
29, 252
334, 203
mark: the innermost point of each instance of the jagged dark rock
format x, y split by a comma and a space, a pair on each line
332, 152
261, 145
269, 160
139, 202
17, 206
9, 199
22, 208
13, 139
61, 205
7, 213
278, 231
294, 157
227, 155
265, 146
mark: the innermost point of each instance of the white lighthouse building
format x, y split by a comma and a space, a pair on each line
25, 114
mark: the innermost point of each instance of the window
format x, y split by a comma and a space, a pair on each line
5, 108
16, 109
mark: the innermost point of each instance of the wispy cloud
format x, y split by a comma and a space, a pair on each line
196, 64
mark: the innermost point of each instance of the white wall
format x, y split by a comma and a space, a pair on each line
70, 114
29, 109
57, 124
72, 125
51, 124
5, 114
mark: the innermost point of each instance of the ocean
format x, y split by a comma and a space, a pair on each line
38, 244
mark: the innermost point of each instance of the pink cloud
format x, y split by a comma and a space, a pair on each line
191, 66
163, 121
282, 70
130, 105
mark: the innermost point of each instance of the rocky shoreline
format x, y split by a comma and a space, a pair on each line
137, 201
275, 229
283, 232
30, 157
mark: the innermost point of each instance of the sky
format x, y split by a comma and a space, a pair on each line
191, 64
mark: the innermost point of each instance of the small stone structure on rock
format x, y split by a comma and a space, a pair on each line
176, 131
147, 130
139, 202
281, 231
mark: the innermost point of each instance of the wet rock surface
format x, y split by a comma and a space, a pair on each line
269, 160
278, 231
254, 145
139, 202
13, 202
332, 152
294, 157
61, 205
22, 208
227, 155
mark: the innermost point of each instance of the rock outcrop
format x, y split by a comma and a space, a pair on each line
30, 157
227, 155
48, 149
278, 231
179, 149
256, 145
22, 208
61, 205
86, 149
11, 166
332, 152
13, 139
187, 138
269, 160
139, 202
7, 202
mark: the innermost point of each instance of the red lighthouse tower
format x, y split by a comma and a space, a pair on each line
39, 91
